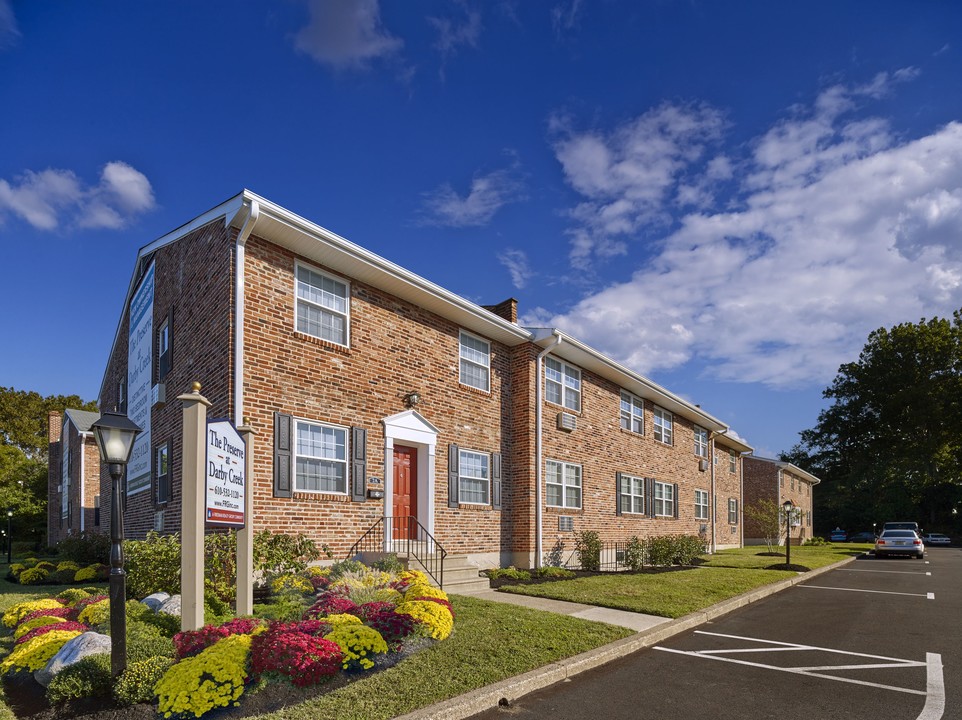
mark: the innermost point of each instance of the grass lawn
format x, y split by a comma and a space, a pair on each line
677, 592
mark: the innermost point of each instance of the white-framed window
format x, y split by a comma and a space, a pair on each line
563, 484
632, 413
323, 305
714, 458
320, 458
701, 504
664, 423
163, 349
562, 384
475, 359
664, 499
701, 442
632, 492
474, 477
732, 511
732, 461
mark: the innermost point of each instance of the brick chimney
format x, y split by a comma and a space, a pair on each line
507, 310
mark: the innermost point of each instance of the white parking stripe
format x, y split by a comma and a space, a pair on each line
890, 572
798, 646
929, 596
935, 686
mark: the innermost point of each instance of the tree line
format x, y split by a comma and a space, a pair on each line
889, 447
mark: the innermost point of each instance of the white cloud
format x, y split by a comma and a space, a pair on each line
565, 16
488, 194
453, 34
835, 230
51, 198
9, 32
345, 34
626, 175
516, 261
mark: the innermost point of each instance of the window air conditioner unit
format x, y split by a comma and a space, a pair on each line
702, 465
567, 421
566, 523
158, 395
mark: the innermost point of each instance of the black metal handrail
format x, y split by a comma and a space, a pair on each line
404, 535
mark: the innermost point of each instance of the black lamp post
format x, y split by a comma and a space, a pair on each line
115, 434
788, 506
9, 535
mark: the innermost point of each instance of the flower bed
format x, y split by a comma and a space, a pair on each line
360, 621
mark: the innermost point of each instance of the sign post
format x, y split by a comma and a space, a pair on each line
192, 514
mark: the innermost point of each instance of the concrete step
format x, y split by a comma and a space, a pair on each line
460, 576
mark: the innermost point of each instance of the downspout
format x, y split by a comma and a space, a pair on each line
714, 500
245, 233
538, 471
741, 498
83, 476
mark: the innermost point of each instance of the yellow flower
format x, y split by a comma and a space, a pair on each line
36, 652
13, 615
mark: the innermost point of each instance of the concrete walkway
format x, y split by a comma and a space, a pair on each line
631, 620
653, 631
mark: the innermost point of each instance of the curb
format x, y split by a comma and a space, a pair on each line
490, 696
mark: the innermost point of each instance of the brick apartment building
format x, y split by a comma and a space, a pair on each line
767, 479
73, 478
375, 393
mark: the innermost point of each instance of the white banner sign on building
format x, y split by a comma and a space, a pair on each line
140, 376
226, 483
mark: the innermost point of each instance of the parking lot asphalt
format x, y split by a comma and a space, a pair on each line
507, 693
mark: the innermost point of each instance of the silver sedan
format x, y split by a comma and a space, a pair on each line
899, 542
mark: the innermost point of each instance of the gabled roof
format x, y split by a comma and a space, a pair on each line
794, 469
586, 357
81, 419
728, 439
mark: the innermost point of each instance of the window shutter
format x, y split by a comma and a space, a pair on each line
617, 493
736, 511
674, 494
496, 481
650, 497
283, 485
163, 481
358, 464
453, 469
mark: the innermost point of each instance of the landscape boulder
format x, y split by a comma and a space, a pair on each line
170, 606
156, 600
89, 643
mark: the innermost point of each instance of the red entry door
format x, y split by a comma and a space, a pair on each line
405, 491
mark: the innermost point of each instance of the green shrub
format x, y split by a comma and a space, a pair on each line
816, 540
512, 573
88, 677
169, 625
72, 595
216, 611
286, 609
46, 565
33, 576
30, 562
550, 571
388, 563
687, 548
16, 569
280, 554
65, 576
136, 684
343, 567
67, 565
153, 565
145, 641
588, 547
635, 553
85, 548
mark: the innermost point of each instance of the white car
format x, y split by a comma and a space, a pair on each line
936, 539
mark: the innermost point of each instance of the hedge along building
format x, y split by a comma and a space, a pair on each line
376, 394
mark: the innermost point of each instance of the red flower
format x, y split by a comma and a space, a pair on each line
43, 629
292, 649
61, 612
330, 604
81, 604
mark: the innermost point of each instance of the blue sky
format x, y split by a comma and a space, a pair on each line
726, 197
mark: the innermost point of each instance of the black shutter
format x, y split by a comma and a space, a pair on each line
358, 464
617, 493
453, 469
283, 439
650, 497
674, 494
162, 482
496, 481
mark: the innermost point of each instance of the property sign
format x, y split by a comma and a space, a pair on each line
226, 484
140, 375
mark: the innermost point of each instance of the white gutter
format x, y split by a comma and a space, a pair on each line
741, 498
714, 501
242, 236
538, 472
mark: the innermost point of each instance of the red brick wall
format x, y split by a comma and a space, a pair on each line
762, 481
727, 486
194, 277
395, 347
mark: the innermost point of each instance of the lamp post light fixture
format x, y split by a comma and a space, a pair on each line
9, 536
115, 434
788, 506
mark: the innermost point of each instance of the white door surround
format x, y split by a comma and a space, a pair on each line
410, 428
